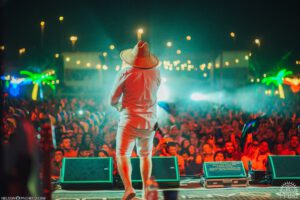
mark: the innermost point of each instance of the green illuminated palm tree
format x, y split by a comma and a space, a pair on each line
37, 79
278, 80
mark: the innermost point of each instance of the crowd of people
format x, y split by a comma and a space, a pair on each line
193, 132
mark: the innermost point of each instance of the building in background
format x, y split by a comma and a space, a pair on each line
231, 69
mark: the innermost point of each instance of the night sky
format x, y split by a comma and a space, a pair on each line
99, 23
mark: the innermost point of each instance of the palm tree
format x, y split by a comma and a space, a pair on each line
278, 80
37, 79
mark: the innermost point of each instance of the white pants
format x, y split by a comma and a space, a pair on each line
127, 136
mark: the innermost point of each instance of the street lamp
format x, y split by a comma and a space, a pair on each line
22, 51
257, 42
60, 39
232, 35
42, 24
140, 32
111, 47
61, 18
73, 39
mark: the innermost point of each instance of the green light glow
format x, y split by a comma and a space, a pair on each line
278, 80
37, 79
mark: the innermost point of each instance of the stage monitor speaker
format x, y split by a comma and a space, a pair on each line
87, 173
164, 170
284, 169
224, 174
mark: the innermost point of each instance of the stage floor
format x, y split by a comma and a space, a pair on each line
189, 189
253, 193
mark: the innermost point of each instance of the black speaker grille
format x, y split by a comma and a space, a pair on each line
163, 169
286, 166
87, 169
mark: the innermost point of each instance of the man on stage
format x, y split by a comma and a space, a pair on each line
137, 85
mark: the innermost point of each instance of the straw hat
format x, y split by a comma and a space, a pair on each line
139, 56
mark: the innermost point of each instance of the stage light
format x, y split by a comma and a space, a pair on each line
178, 51
80, 112
198, 97
2, 47
68, 59
88, 64
227, 63
237, 61
78, 62
61, 18
104, 54
246, 57
188, 37
169, 44
56, 55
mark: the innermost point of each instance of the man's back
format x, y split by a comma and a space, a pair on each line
139, 88
140, 91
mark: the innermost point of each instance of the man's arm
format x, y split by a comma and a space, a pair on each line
117, 90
